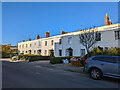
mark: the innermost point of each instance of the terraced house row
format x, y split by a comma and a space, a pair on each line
68, 44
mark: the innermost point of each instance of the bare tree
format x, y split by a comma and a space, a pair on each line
88, 38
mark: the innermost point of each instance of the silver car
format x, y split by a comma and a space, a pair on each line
103, 65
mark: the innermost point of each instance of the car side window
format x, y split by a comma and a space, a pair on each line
106, 59
118, 60
110, 59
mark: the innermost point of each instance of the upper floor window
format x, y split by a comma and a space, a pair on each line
30, 45
26, 45
117, 35
45, 43
82, 52
39, 44
98, 36
23, 46
20, 46
52, 42
70, 40
60, 41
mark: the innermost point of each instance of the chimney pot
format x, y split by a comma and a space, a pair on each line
47, 34
23, 40
37, 37
110, 22
29, 39
62, 32
106, 20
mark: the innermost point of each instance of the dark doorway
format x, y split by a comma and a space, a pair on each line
29, 51
51, 52
39, 51
69, 52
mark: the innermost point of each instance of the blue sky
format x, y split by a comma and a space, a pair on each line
24, 20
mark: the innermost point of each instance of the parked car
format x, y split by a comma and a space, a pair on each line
14, 57
103, 65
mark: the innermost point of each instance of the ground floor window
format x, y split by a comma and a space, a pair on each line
45, 52
34, 51
60, 52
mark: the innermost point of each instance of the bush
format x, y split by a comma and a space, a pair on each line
56, 60
98, 51
11, 56
38, 57
18, 57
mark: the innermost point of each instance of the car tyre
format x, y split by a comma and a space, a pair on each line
96, 73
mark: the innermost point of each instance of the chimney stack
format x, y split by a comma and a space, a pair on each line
37, 37
47, 34
106, 20
23, 40
110, 22
62, 32
29, 39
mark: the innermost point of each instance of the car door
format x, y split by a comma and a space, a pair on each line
109, 66
118, 64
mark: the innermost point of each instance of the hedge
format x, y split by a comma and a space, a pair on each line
56, 60
37, 58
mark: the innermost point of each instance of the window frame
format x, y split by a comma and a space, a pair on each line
45, 43
117, 35
45, 52
98, 36
60, 41
30, 45
52, 42
70, 40
60, 52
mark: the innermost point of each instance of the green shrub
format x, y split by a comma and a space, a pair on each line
11, 56
56, 60
98, 51
18, 57
38, 57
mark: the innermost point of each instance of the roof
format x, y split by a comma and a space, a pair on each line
102, 28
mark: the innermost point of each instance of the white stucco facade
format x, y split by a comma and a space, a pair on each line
69, 41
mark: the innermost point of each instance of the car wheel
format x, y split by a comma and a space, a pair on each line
95, 73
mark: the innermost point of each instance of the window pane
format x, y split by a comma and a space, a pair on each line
60, 52
106, 59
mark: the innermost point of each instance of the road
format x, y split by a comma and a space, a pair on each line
32, 75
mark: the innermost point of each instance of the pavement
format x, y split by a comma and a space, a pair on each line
66, 67
34, 75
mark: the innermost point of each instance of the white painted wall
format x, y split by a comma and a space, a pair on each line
108, 40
